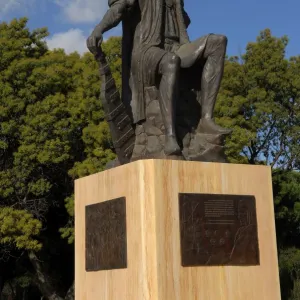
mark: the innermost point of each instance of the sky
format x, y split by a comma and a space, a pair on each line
71, 21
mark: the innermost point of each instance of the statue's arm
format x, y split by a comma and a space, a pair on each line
113, 16
111, 19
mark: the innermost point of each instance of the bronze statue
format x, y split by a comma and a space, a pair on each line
169, 84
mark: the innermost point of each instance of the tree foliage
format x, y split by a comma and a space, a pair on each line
18, 227
260, 100
52, 131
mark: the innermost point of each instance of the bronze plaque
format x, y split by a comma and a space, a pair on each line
218, 230
106, 242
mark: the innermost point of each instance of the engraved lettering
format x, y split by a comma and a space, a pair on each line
218, 230
106, 235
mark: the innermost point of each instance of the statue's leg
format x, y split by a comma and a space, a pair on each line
169, 68
213, 53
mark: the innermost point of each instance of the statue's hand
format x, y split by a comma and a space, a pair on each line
94, 42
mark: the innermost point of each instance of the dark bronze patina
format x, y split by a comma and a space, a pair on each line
169, 83
218, 230
106, 242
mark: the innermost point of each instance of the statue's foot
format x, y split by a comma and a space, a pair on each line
210, 127
171, 146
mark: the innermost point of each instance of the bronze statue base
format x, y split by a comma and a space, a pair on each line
150, 138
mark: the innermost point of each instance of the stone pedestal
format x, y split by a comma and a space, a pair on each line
164, 230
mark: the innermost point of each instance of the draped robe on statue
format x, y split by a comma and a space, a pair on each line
143, 47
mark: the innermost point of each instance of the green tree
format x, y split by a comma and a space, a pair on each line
113, 51
52, 131
259, 99
286, 186
289, 262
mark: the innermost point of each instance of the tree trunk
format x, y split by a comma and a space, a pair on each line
1, 285
71, 293
43, 281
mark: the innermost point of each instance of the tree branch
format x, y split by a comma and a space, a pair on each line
278, 153
266, 138
71, 293
43, 281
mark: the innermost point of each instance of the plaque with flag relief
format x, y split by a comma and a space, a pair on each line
218, 230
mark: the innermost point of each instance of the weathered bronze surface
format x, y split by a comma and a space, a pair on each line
169, 83
106, 242
218, 230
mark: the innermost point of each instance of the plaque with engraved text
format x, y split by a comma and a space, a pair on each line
106, 242
218, 230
